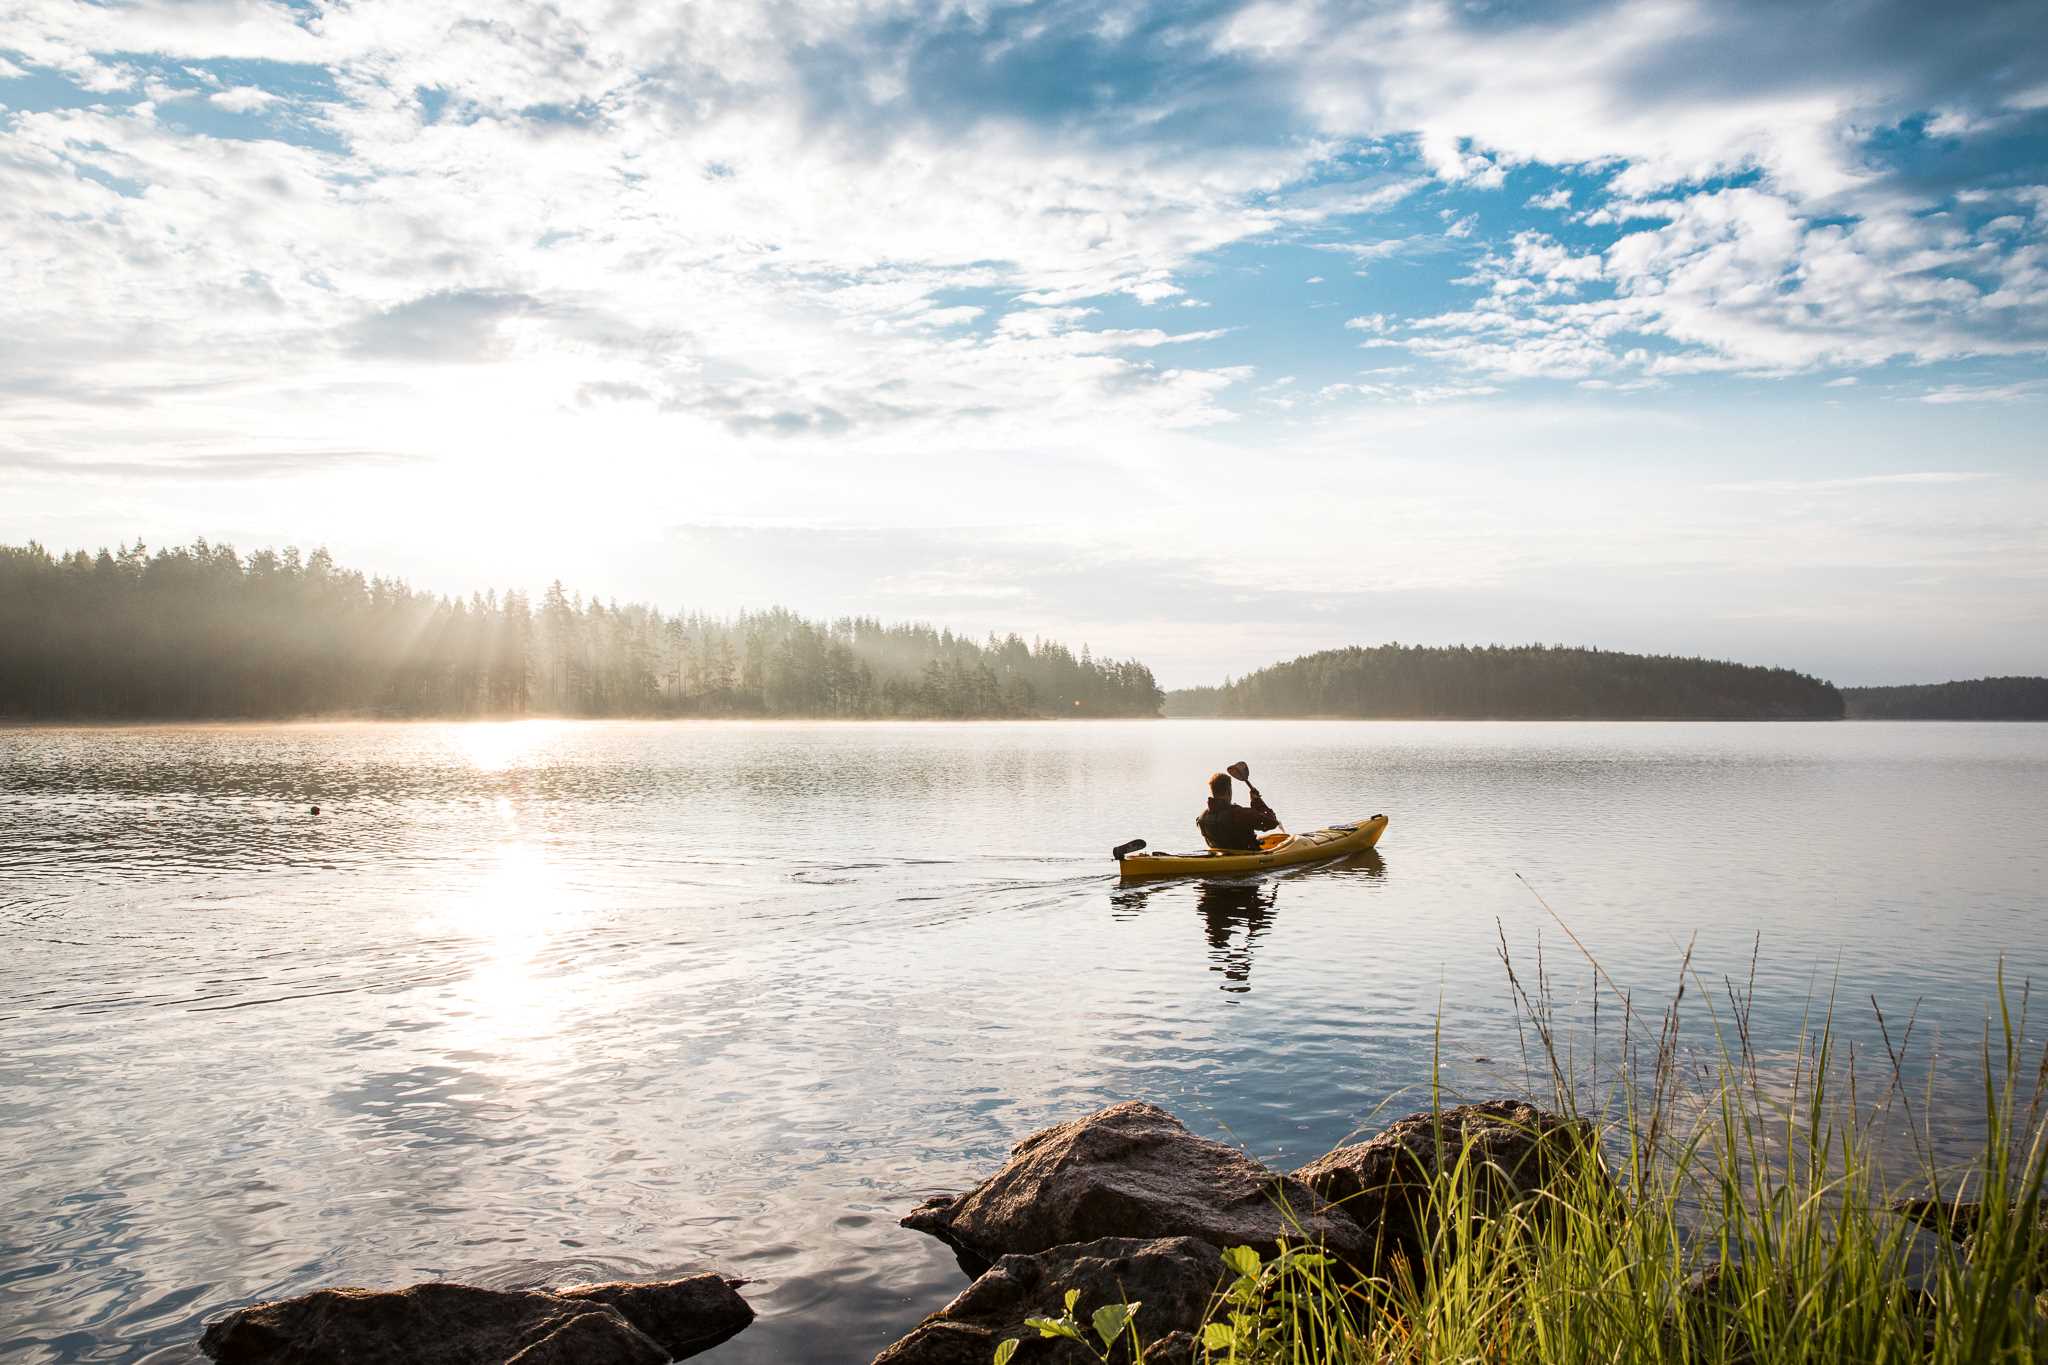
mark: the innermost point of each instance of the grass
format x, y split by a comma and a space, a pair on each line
1735, 1208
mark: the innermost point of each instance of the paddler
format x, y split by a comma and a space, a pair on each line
1228, 826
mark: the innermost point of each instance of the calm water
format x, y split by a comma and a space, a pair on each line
552, 1001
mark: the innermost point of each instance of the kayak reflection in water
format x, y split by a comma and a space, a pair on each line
1228, 826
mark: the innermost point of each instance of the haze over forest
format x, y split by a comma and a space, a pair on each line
201, 631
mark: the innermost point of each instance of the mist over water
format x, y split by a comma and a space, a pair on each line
546, 1001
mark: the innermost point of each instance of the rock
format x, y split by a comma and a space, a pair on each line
1171, 1279
683, 1317
1383, 1183
592, 1339
459, 1324
1130, 1170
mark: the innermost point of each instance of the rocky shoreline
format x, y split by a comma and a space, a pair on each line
1123, 1205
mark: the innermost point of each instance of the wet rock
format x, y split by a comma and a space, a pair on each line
459, 1324
1171, 1279
1517, 1150
683, 1317
1130, 1170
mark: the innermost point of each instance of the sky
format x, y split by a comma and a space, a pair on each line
1210, 334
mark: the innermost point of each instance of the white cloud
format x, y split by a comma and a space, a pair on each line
1743, 280
1559, 198
242, 99
1921, 478
727, 245
1673, 91
2023, 392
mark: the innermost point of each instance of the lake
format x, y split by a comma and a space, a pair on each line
546, 1001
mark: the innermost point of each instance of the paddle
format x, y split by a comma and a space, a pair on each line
1122, 849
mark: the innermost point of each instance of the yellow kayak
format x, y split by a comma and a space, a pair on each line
1277, 850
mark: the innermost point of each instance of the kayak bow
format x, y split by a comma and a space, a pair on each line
1279, 851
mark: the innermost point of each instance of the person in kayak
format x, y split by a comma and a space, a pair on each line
1233, 827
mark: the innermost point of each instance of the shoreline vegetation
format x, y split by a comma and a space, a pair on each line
1562, 682
1741, 1203
201, 633
2010, 698
1511, 682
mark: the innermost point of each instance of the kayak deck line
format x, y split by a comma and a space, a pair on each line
1279, 851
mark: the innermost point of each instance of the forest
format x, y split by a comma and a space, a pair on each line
2014, 698
1512, 682
202, 632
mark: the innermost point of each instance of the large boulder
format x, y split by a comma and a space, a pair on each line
1171, 1279
1515, 1151
460, 1324
1130, 1170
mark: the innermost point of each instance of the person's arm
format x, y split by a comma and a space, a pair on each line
1262, 814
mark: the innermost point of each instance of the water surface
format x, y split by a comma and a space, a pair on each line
547, 1001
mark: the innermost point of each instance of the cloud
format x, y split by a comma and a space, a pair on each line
243, 99
855, 229
1740, 280
1673, 92
1986, 393
210, 466
455, 325
1924, 478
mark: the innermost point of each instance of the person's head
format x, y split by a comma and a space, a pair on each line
1219, 786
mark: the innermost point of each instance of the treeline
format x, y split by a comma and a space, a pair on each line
1976, 699
1512, 682
200, 631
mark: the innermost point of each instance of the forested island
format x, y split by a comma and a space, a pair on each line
1512, 682
202, 632
2015, 698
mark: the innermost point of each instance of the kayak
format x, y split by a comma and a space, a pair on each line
1277, 850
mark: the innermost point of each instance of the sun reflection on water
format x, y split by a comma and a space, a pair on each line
496, 746
520, 914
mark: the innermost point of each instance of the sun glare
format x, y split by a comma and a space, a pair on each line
495, 746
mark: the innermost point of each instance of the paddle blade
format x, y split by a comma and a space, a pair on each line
1121, 850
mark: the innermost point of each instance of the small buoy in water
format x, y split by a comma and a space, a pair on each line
316, 810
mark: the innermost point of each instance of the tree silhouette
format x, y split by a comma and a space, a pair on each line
1513, 682
200, 632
